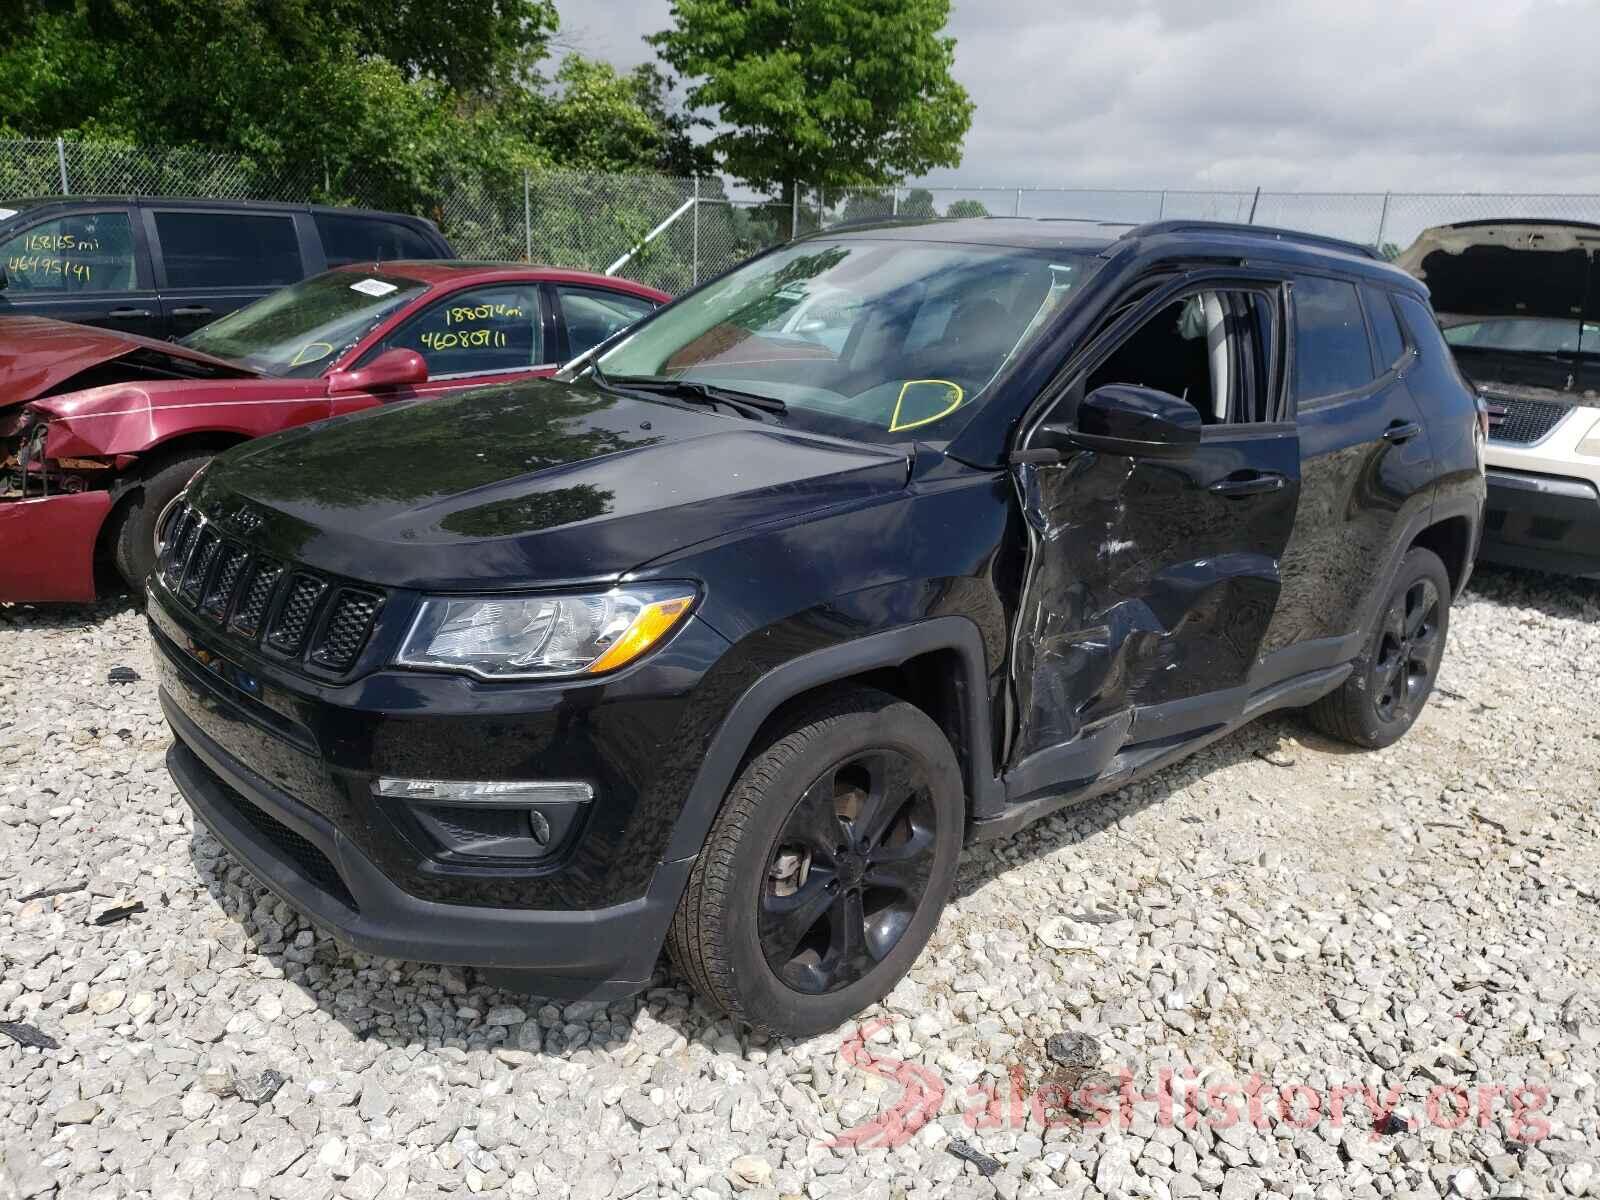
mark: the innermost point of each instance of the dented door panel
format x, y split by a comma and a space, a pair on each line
1146, 586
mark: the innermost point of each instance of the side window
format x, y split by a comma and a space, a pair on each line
84, 252
593, 314
481, 329
218, 250
1386, 337
1331, 354
1215, 349
367, 239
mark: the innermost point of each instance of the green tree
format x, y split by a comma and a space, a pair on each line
918, 204
829, 92
394, 103
600, 119
966, 208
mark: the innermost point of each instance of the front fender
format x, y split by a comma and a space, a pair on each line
761, 699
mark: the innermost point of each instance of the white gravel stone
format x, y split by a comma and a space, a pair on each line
1422, 917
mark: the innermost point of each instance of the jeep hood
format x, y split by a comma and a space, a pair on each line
538, 483
40, 357
1508, 269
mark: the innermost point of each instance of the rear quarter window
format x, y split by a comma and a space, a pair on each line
1331, 352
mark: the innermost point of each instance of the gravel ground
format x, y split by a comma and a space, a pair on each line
1277, 915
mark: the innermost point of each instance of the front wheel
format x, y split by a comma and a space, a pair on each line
1395, 672
827, 868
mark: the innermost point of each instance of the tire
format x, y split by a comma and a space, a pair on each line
874, 776
133, 544
1396, 670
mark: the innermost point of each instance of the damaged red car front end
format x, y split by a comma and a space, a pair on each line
56, 485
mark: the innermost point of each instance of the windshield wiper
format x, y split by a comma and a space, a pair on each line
749, 404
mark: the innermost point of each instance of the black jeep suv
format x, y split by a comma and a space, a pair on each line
885, 541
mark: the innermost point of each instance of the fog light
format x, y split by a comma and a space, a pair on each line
524, 820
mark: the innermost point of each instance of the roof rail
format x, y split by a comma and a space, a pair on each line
1267, 231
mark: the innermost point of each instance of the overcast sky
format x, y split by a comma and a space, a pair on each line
1358, 95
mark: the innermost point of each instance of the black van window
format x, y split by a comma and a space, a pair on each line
215, 250
1331, 353
82, 252
1385, 329
347, 239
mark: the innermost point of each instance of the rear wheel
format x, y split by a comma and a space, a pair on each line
133, 545
827, 868
1395, 673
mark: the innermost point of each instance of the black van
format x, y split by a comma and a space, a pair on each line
162, 267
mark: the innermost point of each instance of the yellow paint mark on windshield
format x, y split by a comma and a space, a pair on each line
311, 352
952, 394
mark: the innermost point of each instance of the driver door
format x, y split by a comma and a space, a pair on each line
484, 335
1152, 578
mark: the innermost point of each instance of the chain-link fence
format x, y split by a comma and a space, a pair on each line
1390, 221
658, 229
673, 232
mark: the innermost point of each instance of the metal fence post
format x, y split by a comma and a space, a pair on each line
1016, 205
61, 161
694, 258
1251, 220
1383, 222
894, 203
527, 215
1161, 212
794, 211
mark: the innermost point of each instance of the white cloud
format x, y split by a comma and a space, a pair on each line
1362, 95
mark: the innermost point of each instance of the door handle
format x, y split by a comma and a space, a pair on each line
1253, 483
129, 312
197, 310
1401, 431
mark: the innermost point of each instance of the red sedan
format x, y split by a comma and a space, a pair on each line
99, 429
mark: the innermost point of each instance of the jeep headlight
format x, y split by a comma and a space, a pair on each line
536, 637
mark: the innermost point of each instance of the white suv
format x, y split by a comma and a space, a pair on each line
1520, 305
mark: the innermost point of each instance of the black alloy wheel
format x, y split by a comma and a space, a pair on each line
1408, 652
826, 869
848, 872
1392, 678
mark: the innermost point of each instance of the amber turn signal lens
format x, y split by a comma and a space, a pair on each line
648, 628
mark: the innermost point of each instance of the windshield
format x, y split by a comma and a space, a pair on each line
1528, 335
879, 340
303, 329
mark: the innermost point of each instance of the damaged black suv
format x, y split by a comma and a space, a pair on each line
886, 541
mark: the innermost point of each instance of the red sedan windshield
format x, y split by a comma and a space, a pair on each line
304, 329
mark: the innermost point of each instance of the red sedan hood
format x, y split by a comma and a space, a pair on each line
41, 357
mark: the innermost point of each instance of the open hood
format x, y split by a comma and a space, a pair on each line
1511, 268
41, 357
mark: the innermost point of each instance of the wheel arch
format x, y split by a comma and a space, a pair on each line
944, 653
1451, 539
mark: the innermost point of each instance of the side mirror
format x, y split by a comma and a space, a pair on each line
392, 368
1122, 418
